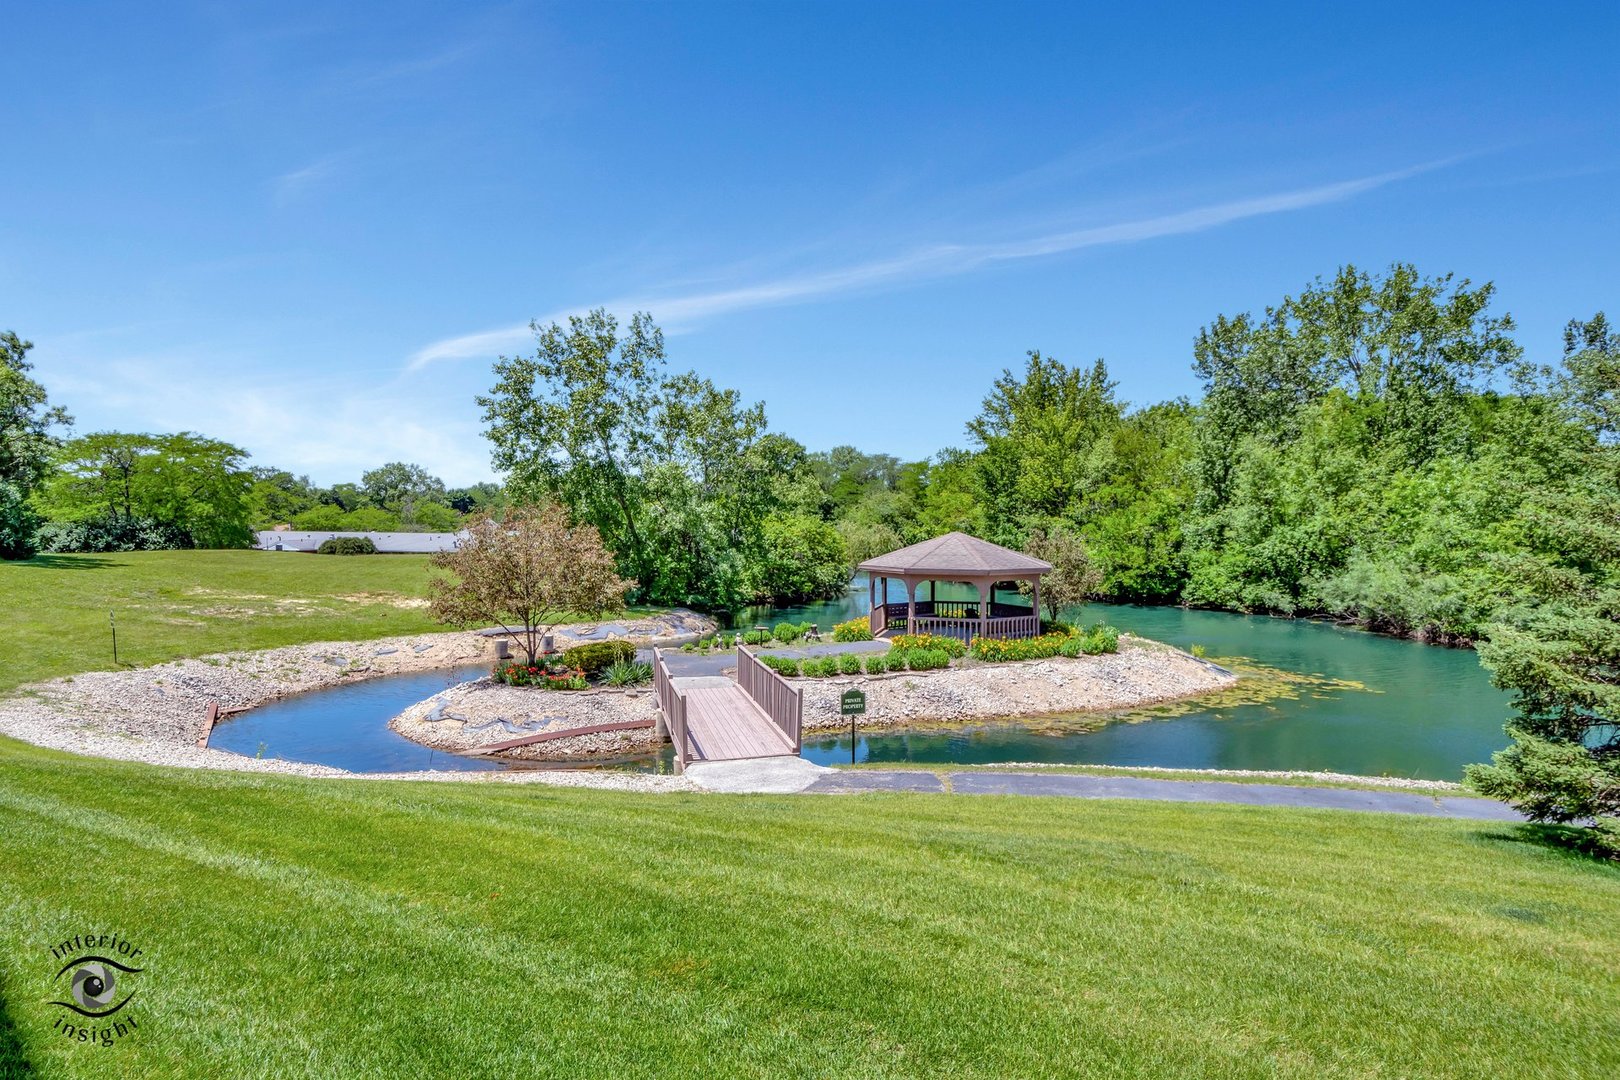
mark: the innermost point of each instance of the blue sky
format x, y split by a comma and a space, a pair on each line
309, 230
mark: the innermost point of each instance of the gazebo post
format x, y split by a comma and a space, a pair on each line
1035, 602
911, 605
987, 593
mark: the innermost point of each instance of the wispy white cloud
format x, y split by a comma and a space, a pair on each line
933, 261
290, 186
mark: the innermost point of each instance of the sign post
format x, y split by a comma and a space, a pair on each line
852, 704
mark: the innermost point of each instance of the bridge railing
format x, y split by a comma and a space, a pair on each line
672, 704
783, 703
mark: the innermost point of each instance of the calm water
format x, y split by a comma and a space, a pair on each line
1408, 709
1417, 710
347, 726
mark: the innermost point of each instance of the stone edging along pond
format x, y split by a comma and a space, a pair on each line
1141, 673
155, 714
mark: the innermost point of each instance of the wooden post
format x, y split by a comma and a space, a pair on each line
911, 606
1035, 603
985, 601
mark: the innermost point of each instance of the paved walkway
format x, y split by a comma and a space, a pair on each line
1079, 786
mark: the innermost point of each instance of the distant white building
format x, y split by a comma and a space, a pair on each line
390, 543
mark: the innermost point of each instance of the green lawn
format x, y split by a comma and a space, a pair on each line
366, 928
172, 604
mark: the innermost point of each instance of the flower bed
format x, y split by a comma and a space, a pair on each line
540, 676
955, 648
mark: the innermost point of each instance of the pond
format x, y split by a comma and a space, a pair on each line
1354, 702
1372, 705
346, 726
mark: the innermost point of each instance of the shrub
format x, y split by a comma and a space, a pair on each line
1073, 647
110, 534
927, 659
787, 632
1056, 626
1100, 639
999, 650
782, 665
347, 545
854, 630
954, 648
595, 657
876, 663
821, 667
756, 637
849, 663
628, 673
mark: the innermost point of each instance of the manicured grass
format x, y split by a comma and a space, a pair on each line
943, 771
171, 604
365, 928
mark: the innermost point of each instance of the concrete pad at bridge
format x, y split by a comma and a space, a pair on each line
757, 776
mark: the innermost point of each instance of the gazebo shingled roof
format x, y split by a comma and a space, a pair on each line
956, 553
955, 556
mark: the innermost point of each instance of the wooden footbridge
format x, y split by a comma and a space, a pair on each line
714, 718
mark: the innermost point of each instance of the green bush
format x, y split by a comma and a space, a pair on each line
627, 673
955, 648
347, 545
1100, 639
876, 663
1075, 646
787, 632
821, 667
927, 659
782, 665
859, 629
756, 637
849, 663
1056, 626
595, 657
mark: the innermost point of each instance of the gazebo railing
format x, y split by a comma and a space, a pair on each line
1007, 620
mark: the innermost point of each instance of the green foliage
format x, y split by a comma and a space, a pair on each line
347, 545
849, 663
677, 475
755, 637
922, 659
109, 533
1074, 577
997, 650
595, 657
787, 632
185, 483
955, 648
540, 676
26, 444
1100, 639
782, 665
875, 663
803, 558
856, 629
820, 667
1056, 626
627, 673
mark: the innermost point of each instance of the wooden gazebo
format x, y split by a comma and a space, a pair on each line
955, 557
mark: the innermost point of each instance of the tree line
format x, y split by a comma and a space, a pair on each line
1377, 448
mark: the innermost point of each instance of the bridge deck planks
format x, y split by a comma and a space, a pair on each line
724, 724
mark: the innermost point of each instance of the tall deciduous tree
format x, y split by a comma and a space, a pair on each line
26, 442
184, 481
402, 488
1074, 577
526, 573
677, 474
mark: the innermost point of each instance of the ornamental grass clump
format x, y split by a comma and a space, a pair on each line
857, 629
927, 659
821, 667
849, 663
876, 663
628, 673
